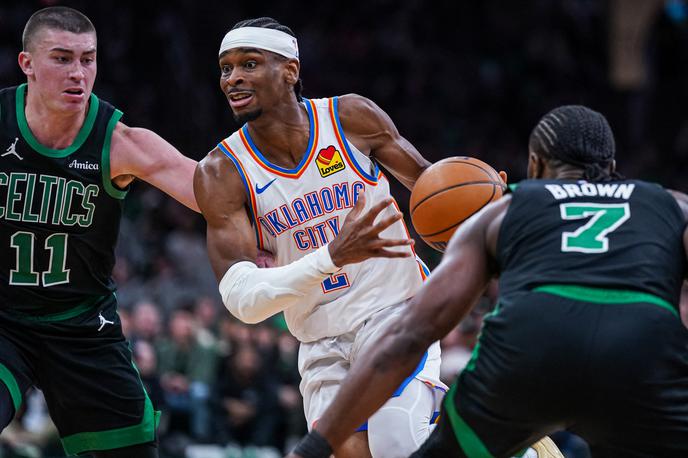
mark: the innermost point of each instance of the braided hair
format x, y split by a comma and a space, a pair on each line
576, 135
270, 23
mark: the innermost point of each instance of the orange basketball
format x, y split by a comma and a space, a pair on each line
449, 192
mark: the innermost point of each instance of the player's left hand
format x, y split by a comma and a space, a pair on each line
502, 175
359, 238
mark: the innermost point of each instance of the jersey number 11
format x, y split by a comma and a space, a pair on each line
24, 275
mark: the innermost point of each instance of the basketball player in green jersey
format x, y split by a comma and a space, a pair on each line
65, 164
586, 335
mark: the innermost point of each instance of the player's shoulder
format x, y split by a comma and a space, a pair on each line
360, 115
217, 178
215, 165
355, 104
681, 200
345, 105
132, 141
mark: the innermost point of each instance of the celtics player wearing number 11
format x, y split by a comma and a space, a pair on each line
65, 166
586, 335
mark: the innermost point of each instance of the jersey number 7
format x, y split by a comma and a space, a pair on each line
592, 236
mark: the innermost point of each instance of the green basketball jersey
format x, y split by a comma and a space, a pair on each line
59, 213
625, 235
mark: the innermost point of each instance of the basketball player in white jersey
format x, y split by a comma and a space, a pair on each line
299, 180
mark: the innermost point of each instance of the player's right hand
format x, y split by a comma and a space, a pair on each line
359, 238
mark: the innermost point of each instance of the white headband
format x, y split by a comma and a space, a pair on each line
261, 38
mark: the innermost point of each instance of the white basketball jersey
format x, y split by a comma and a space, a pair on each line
297, 211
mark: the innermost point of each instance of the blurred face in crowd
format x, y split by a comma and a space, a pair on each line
146, 320
247, 362
256, 81
206, 312
182, 326
60, 67
234, 331
146, 361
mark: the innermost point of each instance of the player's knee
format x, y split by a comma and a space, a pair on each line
393, 447
402, 424
147, 450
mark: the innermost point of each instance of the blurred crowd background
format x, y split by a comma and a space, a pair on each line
458, 78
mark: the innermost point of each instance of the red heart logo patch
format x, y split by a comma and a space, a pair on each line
327, 153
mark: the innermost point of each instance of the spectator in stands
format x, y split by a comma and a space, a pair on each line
146, 322
248, 395
187, 368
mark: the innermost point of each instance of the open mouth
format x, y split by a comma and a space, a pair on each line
239, 99
74, 92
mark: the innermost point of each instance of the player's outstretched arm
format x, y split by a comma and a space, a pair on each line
141, 153
450, 292
373, 132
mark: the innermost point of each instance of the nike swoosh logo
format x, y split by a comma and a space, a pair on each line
260, 190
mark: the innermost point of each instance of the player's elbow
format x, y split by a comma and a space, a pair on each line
421, 337
244, 312
248, 319
415, 340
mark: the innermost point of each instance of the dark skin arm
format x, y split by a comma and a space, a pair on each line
450, 292
682, 200
222, 198
372, 131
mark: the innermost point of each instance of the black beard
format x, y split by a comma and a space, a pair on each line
246, 117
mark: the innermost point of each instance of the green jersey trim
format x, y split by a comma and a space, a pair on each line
604, 296
44, 150
469, 442
116, 438
67, 314
105, 159
10, 382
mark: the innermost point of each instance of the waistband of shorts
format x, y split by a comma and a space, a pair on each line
604, 296
72, 312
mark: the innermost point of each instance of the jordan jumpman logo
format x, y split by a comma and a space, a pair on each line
12, 149
103, 321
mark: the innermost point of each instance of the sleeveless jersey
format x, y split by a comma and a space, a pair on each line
59, 213
296, 211
623, 235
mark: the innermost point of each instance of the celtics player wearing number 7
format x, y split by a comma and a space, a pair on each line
586, 335
63, 178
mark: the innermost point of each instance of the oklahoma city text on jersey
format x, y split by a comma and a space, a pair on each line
312, 205
295, 211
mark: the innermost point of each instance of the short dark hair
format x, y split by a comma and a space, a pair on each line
55, 17
576, 135
270, 23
